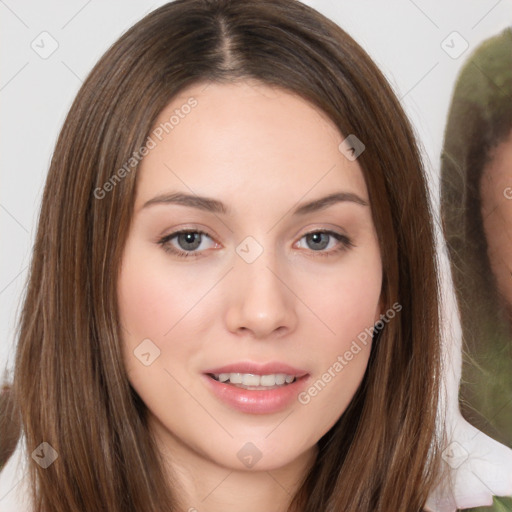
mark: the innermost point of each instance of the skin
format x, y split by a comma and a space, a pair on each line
261, 151
496, 198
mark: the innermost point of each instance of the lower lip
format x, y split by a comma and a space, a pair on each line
257, 401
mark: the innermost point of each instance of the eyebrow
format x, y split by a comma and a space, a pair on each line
215, 206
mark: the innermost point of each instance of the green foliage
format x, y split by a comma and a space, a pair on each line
500, 504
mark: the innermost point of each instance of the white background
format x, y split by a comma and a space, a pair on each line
403, 36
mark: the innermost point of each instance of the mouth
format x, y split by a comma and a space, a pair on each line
256, 388
253, 381
249, 375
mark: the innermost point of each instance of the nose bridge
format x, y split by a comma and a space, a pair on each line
259, 302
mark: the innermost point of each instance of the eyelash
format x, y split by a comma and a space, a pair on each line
345, 244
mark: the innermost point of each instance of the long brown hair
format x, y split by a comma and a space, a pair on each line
70, 384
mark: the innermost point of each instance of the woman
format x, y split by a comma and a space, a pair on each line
477, 221
477, 227
235, 208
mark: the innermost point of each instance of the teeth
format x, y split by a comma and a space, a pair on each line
252, 380
236, 378
248, 379
268, 380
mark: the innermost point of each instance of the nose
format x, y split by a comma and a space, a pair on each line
261, 302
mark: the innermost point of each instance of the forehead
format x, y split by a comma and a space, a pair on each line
245, 141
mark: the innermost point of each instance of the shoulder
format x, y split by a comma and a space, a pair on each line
14, 488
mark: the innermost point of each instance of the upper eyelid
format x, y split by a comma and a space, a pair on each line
205, 232
331, 232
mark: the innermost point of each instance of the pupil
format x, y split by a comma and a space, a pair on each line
189, 241
319, 238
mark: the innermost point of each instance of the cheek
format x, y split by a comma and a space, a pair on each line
347, 301
497, 223
499, 251
162, 305
146, 302
149, 307
154, 299
157, 308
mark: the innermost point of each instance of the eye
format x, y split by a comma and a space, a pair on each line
318, 241
185, 243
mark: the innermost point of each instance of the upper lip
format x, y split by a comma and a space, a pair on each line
259, 369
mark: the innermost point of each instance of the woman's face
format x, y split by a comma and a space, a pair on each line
496, 194
248, 291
